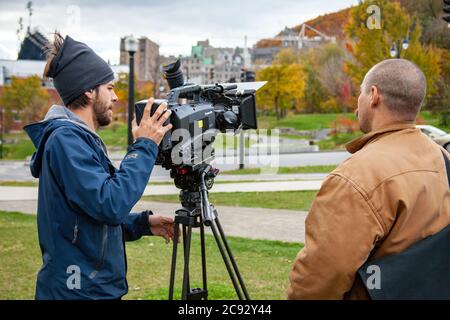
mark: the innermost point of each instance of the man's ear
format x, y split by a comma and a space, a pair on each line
90, 94
374, 96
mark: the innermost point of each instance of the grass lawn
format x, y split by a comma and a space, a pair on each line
18, 184
292, 200
432, 120
19, 150
295, 137
264, 265
230, 142
312, 121
324, 120
337, 142
303, 169
115, 135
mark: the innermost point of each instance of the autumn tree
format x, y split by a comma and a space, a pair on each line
142, 91
288, 56
328, 87
429, 14
284, 90
314, 95
370, 46
330, 62
24, 98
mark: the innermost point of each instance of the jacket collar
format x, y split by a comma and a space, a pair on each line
358, 143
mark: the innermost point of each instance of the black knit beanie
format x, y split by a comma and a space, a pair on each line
77, 69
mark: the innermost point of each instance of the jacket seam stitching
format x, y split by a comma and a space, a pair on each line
363, 193
399, 174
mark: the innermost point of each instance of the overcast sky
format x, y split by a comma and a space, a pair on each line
175, 25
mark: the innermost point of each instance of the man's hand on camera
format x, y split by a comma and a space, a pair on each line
153, 127
162, 226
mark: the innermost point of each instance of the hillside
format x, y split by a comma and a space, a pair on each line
331, 24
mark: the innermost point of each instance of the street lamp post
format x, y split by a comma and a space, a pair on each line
131, 46
396, 49
2, 132
187, 73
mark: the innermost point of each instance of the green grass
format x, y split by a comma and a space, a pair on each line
295, 137
231, 142
312, 121
18, 184
433, 120
19, 150
291, 200
264, 265
338, 141
115, 135
282, 170
325, 120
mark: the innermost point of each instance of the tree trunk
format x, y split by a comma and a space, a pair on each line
277, 110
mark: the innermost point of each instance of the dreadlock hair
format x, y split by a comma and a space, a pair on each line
51, 50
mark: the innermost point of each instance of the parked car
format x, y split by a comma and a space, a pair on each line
437, 135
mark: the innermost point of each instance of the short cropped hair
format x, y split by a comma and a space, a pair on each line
402, 86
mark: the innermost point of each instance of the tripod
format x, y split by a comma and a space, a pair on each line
197, 212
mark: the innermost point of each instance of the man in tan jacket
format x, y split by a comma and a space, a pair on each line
392, 192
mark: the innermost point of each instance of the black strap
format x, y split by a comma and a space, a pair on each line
447, 166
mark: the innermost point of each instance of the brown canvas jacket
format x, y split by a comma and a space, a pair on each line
392, 192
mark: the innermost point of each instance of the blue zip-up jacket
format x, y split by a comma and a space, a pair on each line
84, 207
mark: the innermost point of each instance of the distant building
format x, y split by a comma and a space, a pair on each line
32, 47
263, 56
208, 64
265, 51
146, 60
22, 69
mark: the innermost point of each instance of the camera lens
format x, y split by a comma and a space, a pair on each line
173, 74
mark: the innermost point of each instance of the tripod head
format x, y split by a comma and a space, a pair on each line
194, 183
189, 178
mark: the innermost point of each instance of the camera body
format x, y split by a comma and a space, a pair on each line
198, 114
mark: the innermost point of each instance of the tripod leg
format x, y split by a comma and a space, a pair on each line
174, 261
187, 250
185, 228
227, 263
233, 261
202, 244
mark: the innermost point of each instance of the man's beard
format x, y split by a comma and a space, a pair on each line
365, 125
364, 122
101, 113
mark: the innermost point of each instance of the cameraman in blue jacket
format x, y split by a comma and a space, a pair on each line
84, 202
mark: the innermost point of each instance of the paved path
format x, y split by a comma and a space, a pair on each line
31, 193
253, 223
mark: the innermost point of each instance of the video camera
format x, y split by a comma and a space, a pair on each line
199, 112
